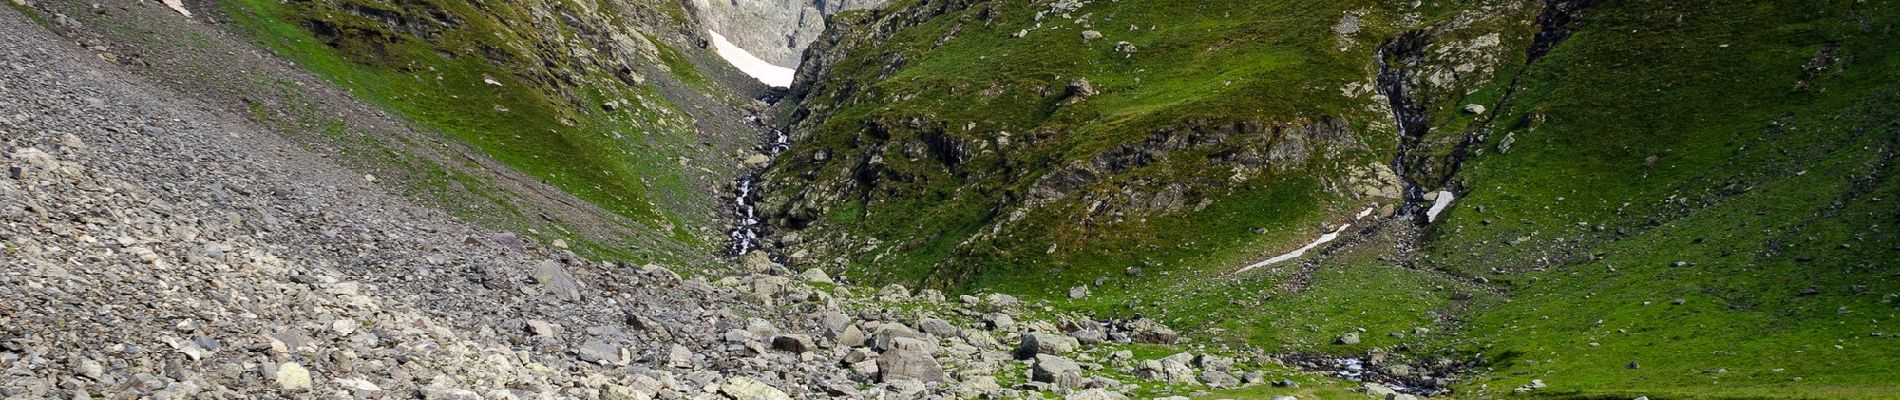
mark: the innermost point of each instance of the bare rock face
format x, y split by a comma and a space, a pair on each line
774, 30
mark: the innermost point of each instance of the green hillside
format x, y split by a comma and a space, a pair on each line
1610, 160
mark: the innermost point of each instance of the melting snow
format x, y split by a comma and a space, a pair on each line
1438, 205
750, 64
177, 5
1363, 214
1300, 251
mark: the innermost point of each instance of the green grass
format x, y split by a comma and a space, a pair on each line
1187, 74
681, 67
30, 14
599, 156
1765, 187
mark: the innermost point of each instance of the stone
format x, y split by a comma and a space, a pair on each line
541, 329
758, 261
1089, 336
1091, 35
1165, 370
1348, 339
909, 358
1474, 109
1061, 372
893, 293
1034, 343
91, 369
293, 376
793, 343
1219, 379
448, 394
679, 357
1379, 391
601, 352
1079, 292
743, 388
1213, 362
1095, 394
1078, 89
1148, 331
851, 336
555, 280
1253, 378
815, 275
908, 388
937, 327
887, 333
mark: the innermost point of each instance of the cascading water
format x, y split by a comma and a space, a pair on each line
747, 236
1407, 113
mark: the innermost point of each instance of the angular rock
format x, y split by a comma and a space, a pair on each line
1165, 371
293, 376
555, 280
1034, 343
602, 352
889, 332
1058, 371
937, 327
1095, 394
793, 343
743, 388
1148, 331
908, 359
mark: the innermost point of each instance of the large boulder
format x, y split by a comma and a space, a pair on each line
793, 343
888, 333
556, 281
602, 352
1148, 331
743, 388
937, 327
1045, 343
1095, 394
1166, 371
1058, 371
908, 358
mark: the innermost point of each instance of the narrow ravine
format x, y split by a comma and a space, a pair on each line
749, 231
1394, 58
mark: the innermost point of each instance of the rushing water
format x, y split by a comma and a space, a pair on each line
748, 235
1408, 114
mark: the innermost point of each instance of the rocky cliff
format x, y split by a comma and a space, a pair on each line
774, 30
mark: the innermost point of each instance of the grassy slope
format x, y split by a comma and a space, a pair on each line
618, 160
1187, 68
1751, 176
1765, 190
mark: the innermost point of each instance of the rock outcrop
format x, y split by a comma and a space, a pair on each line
777, 31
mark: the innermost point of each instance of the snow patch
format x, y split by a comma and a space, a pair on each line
1363, 214
1438, 205
750, 64
1299, 252
177, 5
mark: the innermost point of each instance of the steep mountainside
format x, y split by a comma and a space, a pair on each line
596, 123
1611, 197
1085, 199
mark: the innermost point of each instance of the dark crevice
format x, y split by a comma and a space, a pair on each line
1397, 58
